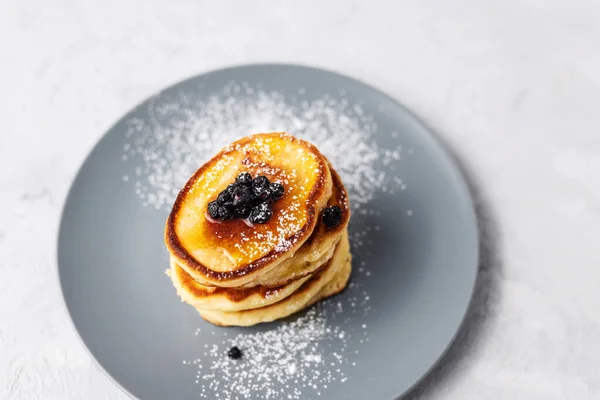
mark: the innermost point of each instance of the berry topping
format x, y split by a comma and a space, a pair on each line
225, 213
332, 216
230, 188
244, 179
234, 353
260, 182
260, 186
263, 194
242, 195
213, 209
277, 191
224, 197
261, 214
242, 211
247, 198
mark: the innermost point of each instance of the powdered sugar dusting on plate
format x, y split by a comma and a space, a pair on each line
297, 358
183, 131
291, 361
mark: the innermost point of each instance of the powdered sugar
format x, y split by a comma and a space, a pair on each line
291, 361
185, 130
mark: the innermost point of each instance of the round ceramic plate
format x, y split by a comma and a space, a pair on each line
413, 235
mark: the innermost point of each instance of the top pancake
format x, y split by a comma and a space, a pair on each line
232, 253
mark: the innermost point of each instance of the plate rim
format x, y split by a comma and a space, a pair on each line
427, 133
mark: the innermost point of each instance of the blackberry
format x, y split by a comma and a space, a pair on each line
234, 353
230, 188
247, 198
332, 216
261, 214
213, 209
260, 186
242, 195
244, 179
259, 183
224, 197
263, 194
276, 190
225, 213
242, 211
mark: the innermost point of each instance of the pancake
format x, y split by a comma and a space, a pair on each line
227, 299
232, 253
324, 283
316, 250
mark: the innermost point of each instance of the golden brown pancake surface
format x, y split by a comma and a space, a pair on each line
228, 253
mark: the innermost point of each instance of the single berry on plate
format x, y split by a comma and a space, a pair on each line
276, 190
213, 209
261, 214
242, 211
225, 213
332, 216
242, 195
234, 353
244, 179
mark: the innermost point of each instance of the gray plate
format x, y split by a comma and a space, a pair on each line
415, 256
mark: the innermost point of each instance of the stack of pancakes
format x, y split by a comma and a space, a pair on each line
237, 273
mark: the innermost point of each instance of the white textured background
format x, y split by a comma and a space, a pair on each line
512, 85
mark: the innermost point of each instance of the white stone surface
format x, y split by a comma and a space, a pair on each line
512, 85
